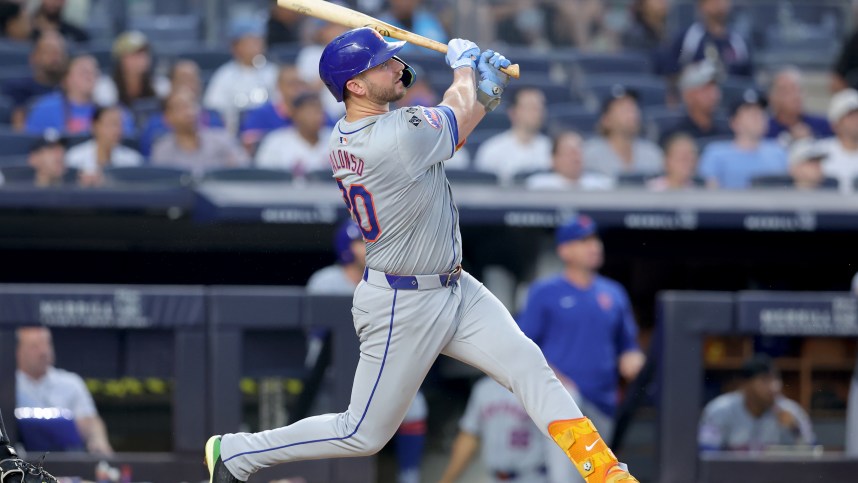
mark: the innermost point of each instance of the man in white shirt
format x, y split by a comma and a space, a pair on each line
301, 147
522, 148
105, 149
248, 80
842, 161
41, 385
567, 170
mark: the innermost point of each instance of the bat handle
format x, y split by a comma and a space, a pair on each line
512, 71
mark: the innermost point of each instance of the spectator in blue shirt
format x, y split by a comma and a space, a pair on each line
712, 39
584, 324
411, 15
732, 164
275, 113
185, 75
47, 64
70, 109
788, 121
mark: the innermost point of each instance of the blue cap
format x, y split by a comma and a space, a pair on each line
576, 228
246, 26
347, 232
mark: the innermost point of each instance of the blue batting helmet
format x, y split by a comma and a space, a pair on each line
354, 52
347, 232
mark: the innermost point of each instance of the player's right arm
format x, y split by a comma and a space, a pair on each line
477, 83
464, 448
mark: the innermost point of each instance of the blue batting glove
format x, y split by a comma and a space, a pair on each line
462, 53
492, 80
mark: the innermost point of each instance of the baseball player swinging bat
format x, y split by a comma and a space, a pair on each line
350, 18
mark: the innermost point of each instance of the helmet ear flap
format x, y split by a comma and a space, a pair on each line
409, 75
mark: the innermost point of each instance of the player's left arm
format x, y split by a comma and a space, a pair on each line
631, 359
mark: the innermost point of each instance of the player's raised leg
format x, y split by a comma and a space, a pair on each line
488, 338
401, 334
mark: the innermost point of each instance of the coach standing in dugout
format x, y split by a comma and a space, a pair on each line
583, 323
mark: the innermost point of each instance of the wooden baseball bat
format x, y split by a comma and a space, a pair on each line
350, 18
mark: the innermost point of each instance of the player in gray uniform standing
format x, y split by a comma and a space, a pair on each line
415, 301
511, 446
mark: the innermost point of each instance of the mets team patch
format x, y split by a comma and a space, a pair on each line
433, 117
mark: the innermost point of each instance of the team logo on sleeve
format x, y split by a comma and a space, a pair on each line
432, 117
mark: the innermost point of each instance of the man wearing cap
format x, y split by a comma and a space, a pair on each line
805, 164
788, 120
584, 324
618, 149
701, 96
248, 80
842, 162
47, 158
732, 164
756, 415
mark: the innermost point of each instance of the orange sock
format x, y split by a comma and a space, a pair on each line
581, 442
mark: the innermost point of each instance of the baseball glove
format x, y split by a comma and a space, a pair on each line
16, 470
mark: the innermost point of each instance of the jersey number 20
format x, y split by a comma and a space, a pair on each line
359, 202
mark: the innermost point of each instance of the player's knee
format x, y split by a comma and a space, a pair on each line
370, 446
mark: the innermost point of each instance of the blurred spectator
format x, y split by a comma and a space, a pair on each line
307, 63
14, 22
246, 81
519, 23
411, 15
732, 164
49, 16
588, 19
712, 39
511, 447
755, 416
39, 384
190, 146
277, 112
648, 29
842, 162
185, 74
567, 168
680, 165
619, 149
132, 78
805, 164
284, 26
47, 65
788, 120
105, 149
701, 96
522, 147
70, 109
585, 326
845, 71
301, 147
47, 159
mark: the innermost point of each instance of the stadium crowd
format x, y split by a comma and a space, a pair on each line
608, 98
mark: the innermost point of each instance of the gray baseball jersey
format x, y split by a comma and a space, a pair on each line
509, 441
393, 161
727, 425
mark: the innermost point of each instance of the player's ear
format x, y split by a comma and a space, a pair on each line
356, 86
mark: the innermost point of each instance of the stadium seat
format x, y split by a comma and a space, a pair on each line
658, 119
256, 175
167, 33
595, 64
319, 176
472, 177
148, 175
632, 180
206, 59
284, 53
14, 143
651, 90
496, 120
733, 88
14, 57
25, 174
786, 181
13, 160
555, 92
572, 116
521, 178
